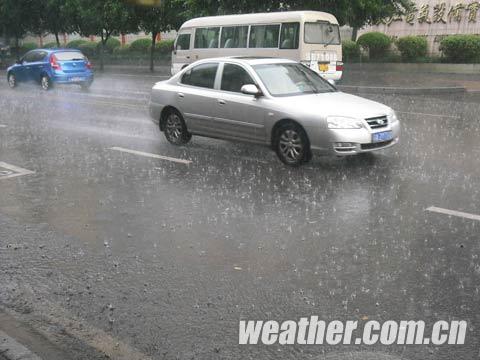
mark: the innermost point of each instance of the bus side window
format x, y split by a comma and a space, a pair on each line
234, 37
206, 38
289, 36
264, 36
183, 42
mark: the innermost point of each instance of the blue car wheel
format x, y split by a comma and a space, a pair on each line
46, 82
12, 80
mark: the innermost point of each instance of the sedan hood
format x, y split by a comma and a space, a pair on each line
336, 104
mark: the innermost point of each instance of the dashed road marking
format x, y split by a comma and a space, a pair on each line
3, 126
8, 171
453, 213
155, 156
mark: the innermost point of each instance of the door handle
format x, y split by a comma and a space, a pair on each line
188, 57
221, 102
181, 95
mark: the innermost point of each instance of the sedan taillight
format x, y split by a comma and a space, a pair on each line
88, 64
54, 63
339, 66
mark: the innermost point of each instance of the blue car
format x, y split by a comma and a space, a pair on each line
52, 66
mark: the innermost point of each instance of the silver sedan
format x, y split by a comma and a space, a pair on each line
275, 102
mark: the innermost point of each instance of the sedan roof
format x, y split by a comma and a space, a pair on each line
251, 60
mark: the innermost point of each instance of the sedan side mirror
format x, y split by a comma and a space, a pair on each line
251, 89
19, 62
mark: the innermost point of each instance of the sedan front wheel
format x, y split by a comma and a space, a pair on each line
175, 129
292, 145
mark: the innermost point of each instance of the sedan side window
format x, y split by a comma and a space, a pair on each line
39, 56
234, 77
30, 56
202, 75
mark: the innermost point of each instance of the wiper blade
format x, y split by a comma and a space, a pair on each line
329, 41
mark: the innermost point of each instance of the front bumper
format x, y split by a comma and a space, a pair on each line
155, 111
344, 142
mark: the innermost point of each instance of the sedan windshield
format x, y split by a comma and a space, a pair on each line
291, 79
69, 56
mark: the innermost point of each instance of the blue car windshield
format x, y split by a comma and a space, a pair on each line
291, 79
69, 55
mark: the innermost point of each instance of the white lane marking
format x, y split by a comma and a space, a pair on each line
3, 126
12, 171
426, 114
453, 213
155, 156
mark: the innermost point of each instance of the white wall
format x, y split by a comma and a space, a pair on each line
467, 21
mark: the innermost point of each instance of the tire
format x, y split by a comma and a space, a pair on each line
292, 145
46, 83
175, 129
12, 81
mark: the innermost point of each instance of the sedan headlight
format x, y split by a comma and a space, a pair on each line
340, 122
392, 117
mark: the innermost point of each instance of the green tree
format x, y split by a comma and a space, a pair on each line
16, 17
167, 15
54, 18
355, 13
358, 13
101, 18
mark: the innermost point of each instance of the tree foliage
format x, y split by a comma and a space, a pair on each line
105, 18
101, 18
15, 16
168, 15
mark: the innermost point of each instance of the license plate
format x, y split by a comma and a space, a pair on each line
76, 79
382, 136
323, 67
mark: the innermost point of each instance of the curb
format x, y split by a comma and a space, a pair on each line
403, 91
10, 349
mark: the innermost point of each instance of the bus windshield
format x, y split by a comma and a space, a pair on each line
322, 33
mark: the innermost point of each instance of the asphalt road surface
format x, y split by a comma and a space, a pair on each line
110, 234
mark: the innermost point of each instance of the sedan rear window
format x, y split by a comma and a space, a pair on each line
69, 56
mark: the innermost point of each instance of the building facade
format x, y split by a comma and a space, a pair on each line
433, 19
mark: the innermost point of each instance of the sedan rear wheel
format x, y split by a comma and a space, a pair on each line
292, 145
175, 129
45, 82
12, 81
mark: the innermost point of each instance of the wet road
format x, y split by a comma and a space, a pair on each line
165, 257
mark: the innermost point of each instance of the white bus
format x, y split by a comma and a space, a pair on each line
310, 37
